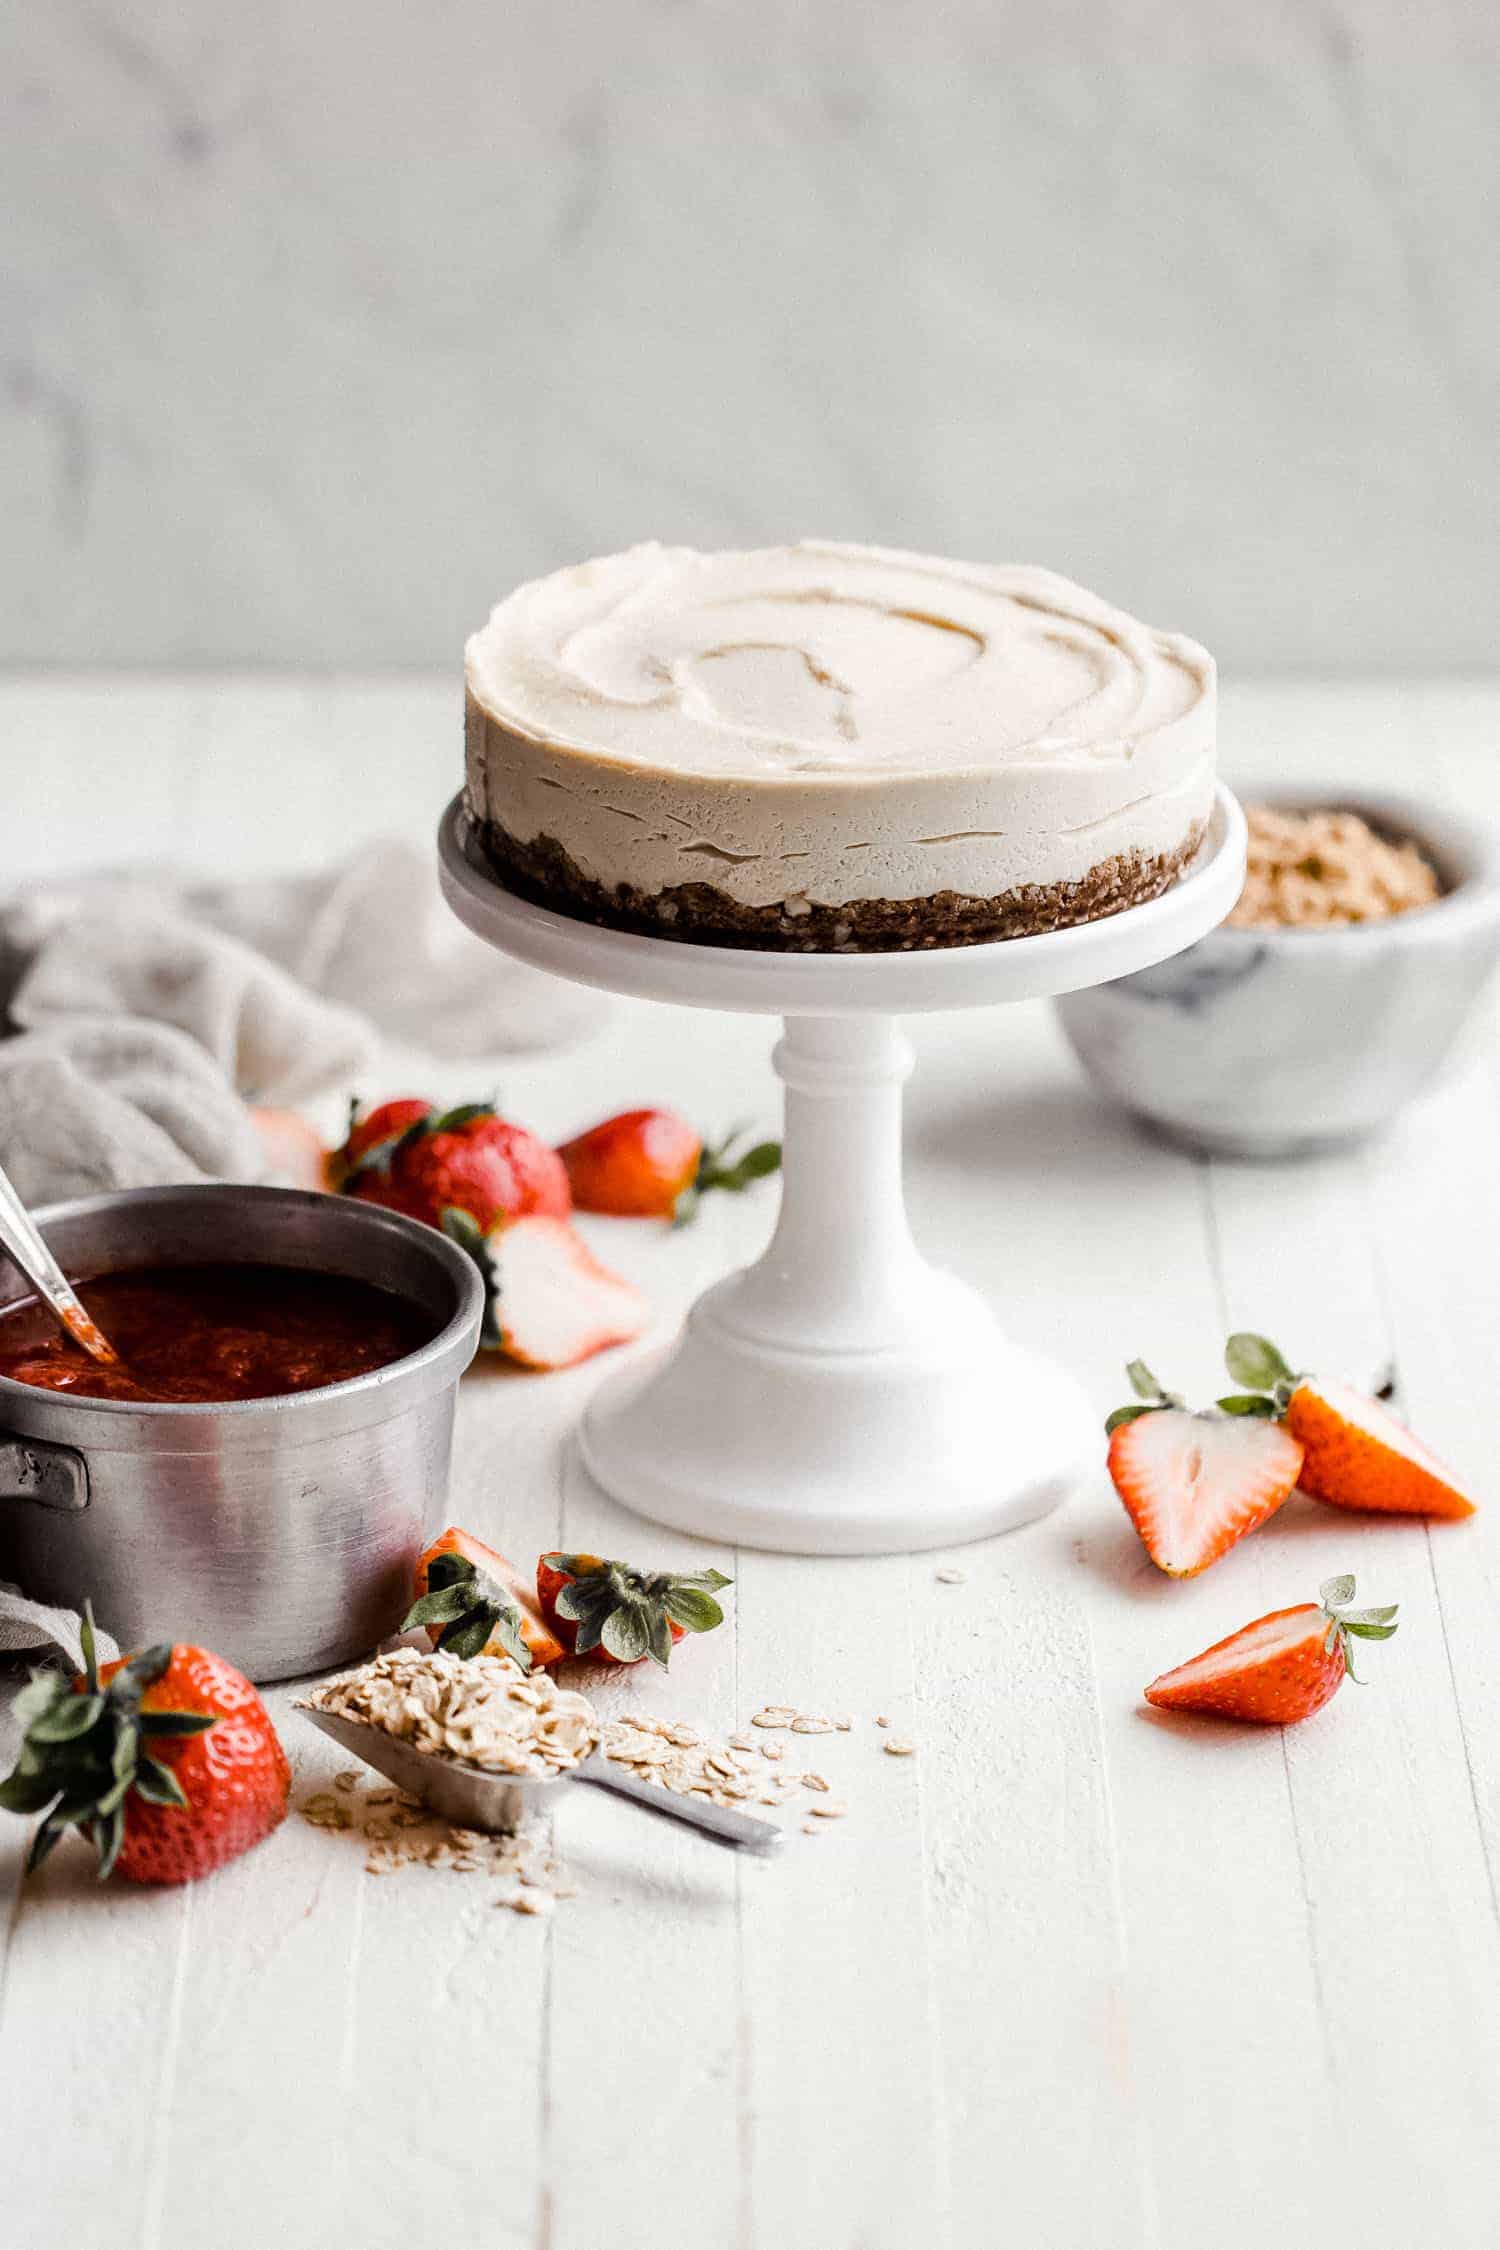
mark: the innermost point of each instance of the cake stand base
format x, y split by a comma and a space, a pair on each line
841, 1397
866, 1456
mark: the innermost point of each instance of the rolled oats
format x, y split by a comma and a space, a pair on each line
481, 1710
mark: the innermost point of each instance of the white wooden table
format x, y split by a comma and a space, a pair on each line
1072, 1978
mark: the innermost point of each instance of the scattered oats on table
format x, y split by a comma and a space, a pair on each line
951, 1577
325, 1811
898, 1749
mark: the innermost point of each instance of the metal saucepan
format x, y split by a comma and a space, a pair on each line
281, 1532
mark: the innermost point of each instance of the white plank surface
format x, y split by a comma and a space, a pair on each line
1076, 1977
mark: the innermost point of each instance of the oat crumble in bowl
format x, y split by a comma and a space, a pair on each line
1320, 870
1331, 999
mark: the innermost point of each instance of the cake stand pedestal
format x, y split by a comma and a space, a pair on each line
842, 1396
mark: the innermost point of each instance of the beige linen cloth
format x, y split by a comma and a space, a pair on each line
141, 1015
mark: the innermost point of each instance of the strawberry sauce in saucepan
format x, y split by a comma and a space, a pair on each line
203, 1335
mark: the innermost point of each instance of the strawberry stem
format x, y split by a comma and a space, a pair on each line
1266, 1381
718, 1169
1346, 1625
1150, 1397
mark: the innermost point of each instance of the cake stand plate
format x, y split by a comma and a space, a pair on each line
842, 1397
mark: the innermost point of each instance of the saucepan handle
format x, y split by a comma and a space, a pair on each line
52, 1476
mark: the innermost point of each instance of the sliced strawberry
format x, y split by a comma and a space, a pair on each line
1280, 1669
1359, 1456
1356, 1455
1193, 1484
555, 1303
483, 1589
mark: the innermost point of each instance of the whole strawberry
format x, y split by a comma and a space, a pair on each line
619, 1614
651, 1164
167, 1761
466, 1159
1355, 1454
1283, 1667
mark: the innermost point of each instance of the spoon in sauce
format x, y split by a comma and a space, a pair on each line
23, 1245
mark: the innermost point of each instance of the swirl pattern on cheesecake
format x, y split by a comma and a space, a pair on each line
826, 745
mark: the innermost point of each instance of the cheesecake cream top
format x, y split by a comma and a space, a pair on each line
825, 660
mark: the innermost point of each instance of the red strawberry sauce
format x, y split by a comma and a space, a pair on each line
196, 1335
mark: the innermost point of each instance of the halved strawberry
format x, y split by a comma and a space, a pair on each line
1283, 1667
475, 1602
1193, 1484
1355, 1454
549, 1301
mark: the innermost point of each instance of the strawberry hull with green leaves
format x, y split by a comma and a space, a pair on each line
167, 1761
618, 1614
473, 1601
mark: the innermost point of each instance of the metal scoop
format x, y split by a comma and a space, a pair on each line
23, 1245
499, 1802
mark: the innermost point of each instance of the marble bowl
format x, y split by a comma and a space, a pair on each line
1280, 1043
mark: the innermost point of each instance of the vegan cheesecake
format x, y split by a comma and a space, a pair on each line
833, 748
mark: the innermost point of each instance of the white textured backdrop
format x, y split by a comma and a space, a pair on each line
319, 325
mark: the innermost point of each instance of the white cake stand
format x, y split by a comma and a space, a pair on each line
842, 1397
